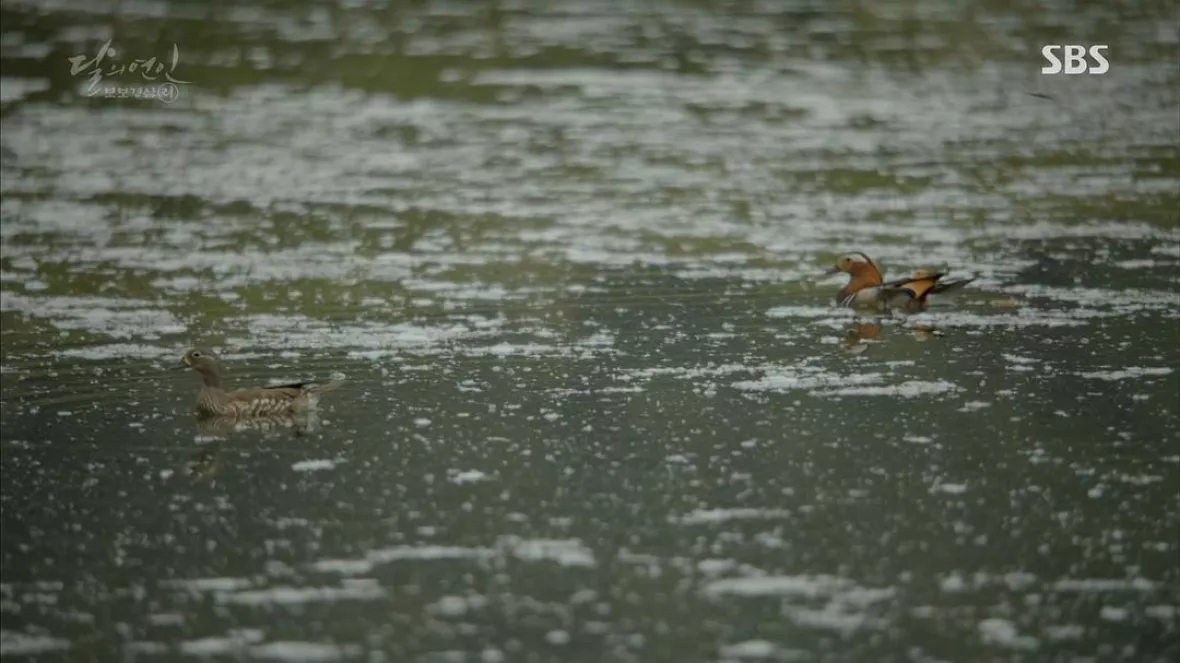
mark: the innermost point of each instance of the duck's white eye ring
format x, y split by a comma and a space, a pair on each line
196, 353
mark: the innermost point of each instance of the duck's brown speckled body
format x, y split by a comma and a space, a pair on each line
213, 400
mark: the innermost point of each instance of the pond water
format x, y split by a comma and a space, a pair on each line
599, 406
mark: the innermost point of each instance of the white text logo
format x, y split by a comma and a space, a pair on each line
1074, 59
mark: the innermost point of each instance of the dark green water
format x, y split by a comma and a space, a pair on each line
598, 406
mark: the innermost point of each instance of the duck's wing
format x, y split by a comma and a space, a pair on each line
276, 394
949, 286
915, 288
291, 391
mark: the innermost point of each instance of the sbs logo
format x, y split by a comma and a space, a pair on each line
1074, 59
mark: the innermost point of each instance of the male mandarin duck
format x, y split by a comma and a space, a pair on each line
214, 401
866, 288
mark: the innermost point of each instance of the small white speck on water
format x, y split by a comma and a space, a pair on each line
557, 637
750, 649
467, 476
1003, 633
953, 583
313, 465
1113, 613
422, 422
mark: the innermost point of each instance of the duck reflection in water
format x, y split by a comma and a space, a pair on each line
861, 333
207, 461
858, 333
279, 425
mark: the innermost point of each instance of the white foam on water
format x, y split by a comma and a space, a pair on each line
209, 584
119, 351
807, 379
687, 372
116, 318
846, 609
1023, 318
146, 647
13, 643
603, 390
809, 586
809, 312
557, 637
1139, 263
466, 476
426, 553
714, 567
299, 595
1064, 632
1003, 633
294, 651
1162, 612
566, 552
713, 516
1137, 479
343, 566
457, 606
235, 641
313, 465
14, 89
1099, 302
910, 389
831, 617
756, 649
1128, 373
1113, 613
1096, 585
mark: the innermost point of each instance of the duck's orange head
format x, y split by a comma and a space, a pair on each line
860, 267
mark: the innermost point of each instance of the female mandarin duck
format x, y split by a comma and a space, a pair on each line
258, 402
867, 289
